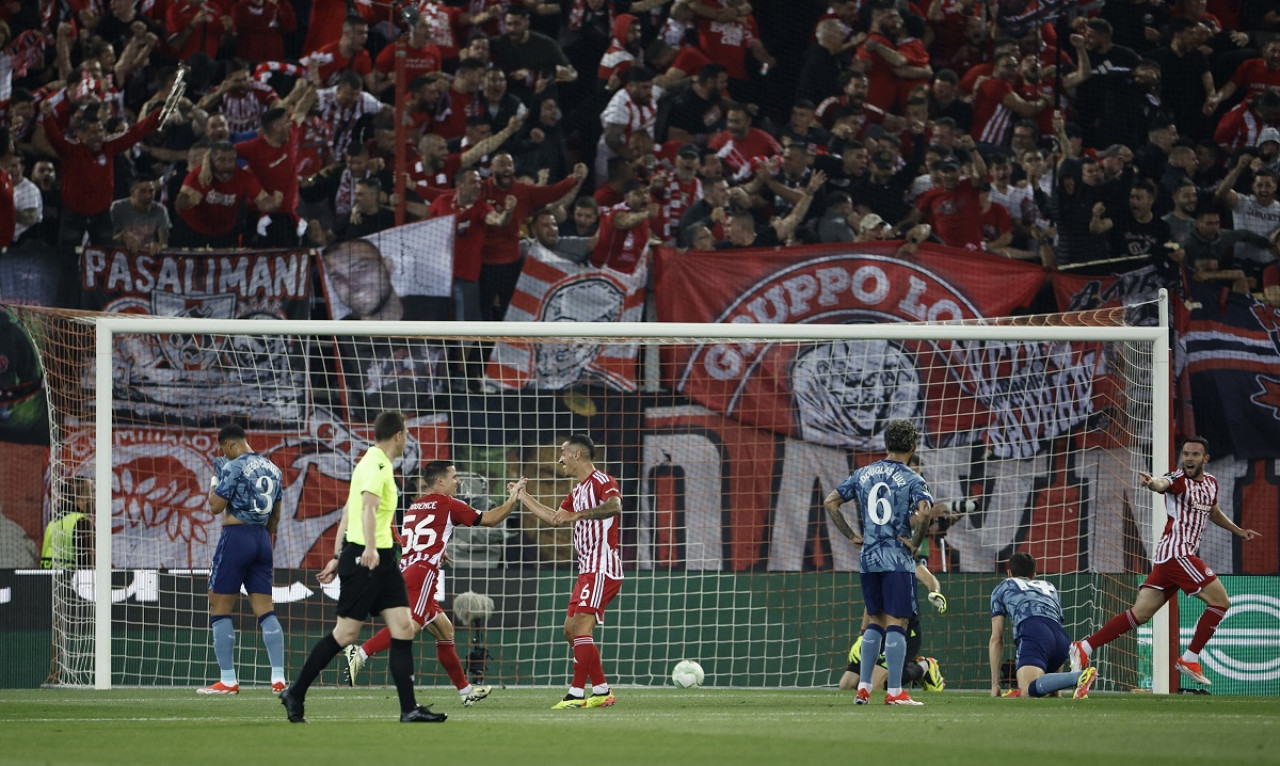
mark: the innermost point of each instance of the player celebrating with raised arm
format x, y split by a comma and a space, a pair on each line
1033, 607
368, 560
894, 502
1190, 499
592, 506
428, 524
248, 487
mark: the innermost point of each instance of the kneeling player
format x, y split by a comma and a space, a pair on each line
428, 525
1033, 607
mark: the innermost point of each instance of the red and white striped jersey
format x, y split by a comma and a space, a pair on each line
1188, 503
992, 120
343, 119
595, 540
244, 113
675, 198
428, 525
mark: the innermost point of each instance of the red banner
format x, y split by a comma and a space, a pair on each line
160, 516
841, 393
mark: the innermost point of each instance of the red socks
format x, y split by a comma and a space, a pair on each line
1205, 627
447, 654
380, 642
586, 662
1117, 626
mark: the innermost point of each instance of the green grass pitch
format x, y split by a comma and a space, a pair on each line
647, 726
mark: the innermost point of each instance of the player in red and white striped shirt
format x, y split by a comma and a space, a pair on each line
592, 507
428, 525
1191, 500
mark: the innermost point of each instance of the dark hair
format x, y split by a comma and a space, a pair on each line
518, 10
351, 78
710, 72
230, 432
272, 116
901, 436
370, 183
432, 471
638, 73
353, 20
1145, 184
223, 146
388, 424
803, 103
1022, 565
1100, 25
1180, 24
469, 64
947, 75
583, 441
1203, 442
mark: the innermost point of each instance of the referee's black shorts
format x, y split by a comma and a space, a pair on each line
370, 591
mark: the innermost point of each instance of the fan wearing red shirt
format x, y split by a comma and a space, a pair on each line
260, 28
1191, 503
953, 206
621, 53
1243, 124
428, 525
347, 52
881, 58
421, 57
739, 145
272, 156
1253, 75
472, 219
212, 196
88, 177
996, 104
443, 20
726, 31
624, 230
196, 26
592, 507
500, 258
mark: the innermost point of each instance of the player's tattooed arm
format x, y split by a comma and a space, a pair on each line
832, 504
920, 522
607, 509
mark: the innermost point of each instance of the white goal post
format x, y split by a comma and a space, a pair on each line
1148, 453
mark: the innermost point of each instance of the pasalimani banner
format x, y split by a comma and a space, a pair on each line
1013, 396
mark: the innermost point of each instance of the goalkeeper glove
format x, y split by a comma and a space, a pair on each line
939, 601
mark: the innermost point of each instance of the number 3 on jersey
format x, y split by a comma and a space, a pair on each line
420, 536
881, 510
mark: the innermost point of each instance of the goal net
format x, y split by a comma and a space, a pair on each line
724, 439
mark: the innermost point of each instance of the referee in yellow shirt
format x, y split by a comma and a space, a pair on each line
368, 561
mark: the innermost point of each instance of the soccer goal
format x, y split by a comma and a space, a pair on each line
724, 438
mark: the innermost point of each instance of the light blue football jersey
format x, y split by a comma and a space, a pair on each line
1018, 599
251, 485
887, 492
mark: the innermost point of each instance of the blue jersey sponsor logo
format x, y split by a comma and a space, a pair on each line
251, 485
1019, 599
887, 492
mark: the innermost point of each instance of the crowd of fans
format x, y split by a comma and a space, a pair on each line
1120, 135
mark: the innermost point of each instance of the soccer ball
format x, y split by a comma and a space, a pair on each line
687, 674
